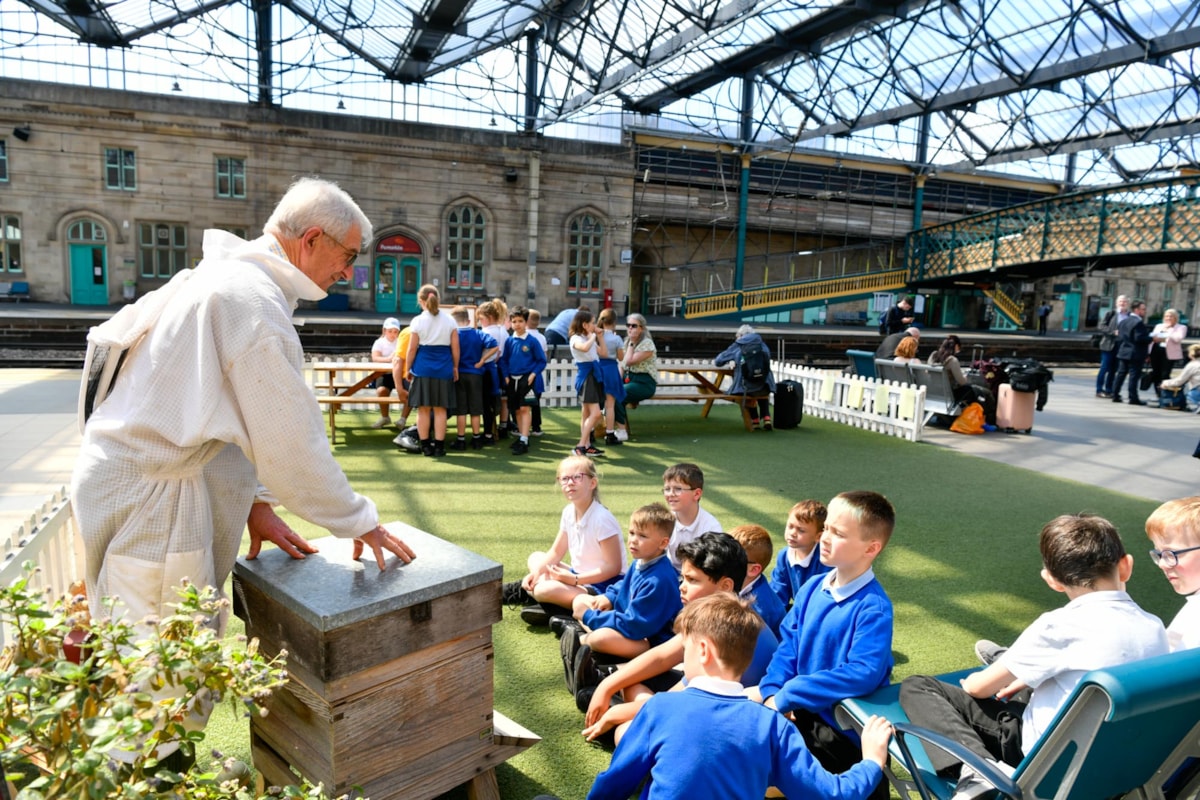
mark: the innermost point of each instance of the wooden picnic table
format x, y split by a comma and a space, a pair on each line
333, 395
701, 383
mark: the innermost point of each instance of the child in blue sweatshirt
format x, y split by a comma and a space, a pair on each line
836, 642
521, 365
756, 541
636, 613
711, 741
475, 348
799, 561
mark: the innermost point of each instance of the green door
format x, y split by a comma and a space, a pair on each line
410, 283
1072, 301
385, 285
89, 275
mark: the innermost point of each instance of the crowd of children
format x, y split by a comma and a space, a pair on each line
488, 372
689, 640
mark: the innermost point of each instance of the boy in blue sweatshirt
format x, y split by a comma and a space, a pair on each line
474, 348
711, 741
836, 642
756, 541
800, 560
636, 612
521, 365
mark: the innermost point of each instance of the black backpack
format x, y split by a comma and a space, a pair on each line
755, 366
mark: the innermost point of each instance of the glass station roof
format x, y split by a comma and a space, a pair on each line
1086, 91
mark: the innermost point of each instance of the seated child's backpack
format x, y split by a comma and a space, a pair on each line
970, 420
755, 367
1172, 398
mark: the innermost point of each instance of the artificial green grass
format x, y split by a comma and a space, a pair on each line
962, 564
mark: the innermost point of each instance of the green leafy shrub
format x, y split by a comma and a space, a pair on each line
91, 730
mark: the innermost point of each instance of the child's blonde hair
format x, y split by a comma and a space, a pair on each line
429, 295
728, 622
573, 464
1180, 516
488, 310
501, 308
875, 516
654, 516
756, 541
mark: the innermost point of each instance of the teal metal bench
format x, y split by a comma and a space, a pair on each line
1129, 731
863, 362
894, 371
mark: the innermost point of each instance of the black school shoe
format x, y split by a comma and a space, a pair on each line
561, 624
586, 677
514, 594
568, 647
535, 615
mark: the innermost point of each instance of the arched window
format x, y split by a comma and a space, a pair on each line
466, 247
585, 251
86, 230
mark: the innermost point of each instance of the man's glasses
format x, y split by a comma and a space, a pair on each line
576, 478
351, 253
1169, 558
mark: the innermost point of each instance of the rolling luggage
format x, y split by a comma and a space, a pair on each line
1014, 410
789, 404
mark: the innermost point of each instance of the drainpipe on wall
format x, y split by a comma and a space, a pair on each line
535, 173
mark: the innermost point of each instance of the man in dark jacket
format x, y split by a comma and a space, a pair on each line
898, 317
1133, 342
887, 348
1108, 346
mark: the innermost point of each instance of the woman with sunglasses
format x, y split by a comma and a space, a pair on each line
640, 365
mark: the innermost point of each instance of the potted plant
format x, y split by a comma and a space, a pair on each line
87, 721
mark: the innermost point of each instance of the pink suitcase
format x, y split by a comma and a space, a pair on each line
1014, 410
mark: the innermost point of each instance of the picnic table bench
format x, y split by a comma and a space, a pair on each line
333, 394
699, 383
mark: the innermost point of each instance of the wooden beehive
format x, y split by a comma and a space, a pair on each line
390, 674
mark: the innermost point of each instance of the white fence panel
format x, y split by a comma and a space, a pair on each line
49, 539
893, 409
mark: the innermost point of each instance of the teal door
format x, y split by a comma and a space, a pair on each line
410, 282
385, 285
89, 275
1071, 304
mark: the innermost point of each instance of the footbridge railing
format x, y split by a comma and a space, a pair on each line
793, 295
1147, 222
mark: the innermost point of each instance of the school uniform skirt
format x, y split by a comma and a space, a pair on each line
611, 379
433, 378
587, 382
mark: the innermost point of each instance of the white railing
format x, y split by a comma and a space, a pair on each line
49, 539
881, 406
893, 409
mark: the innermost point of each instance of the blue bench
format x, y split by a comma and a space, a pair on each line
863, 362
1131, 730
15, 291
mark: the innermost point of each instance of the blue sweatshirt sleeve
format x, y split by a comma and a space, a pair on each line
864, 669
781, 579
653, 602
631, 763
797, 773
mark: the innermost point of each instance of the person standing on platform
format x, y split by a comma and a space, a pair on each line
1108, 347
1043, 317
898, 317
1133, 343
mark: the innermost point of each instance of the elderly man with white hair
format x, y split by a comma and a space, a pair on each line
887, 348
211, 410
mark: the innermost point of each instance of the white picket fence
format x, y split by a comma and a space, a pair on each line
48, 539
880, 406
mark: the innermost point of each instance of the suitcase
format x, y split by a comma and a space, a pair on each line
789, 404
1014, 410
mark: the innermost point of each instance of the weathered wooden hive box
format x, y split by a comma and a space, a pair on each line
390, 673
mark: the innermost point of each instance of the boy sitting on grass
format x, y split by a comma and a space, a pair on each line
683, 485
636, 612
756, 541
836, 642
711, 741
1002, 710
713, 563
800, 561
1174, 527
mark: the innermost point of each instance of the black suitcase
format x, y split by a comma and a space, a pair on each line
789, 404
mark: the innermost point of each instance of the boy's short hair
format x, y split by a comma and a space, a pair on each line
519, 311
488, 310
656, 517
1079, 549
810, 511
1180, 516
535, 317
688, 474
461, 315
756, 541
875, 515
718, 555
728, 622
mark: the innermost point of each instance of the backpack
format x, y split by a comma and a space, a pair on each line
754, 366
883, 322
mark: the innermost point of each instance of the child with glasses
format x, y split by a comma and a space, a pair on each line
1174, 528
588, 533
683, 484
1001, 711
